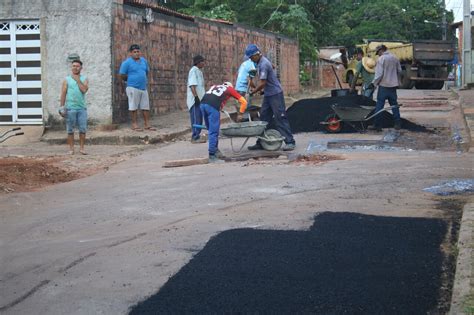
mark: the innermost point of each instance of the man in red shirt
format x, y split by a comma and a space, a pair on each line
211, 105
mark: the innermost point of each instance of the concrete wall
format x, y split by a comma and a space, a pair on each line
169, 44
71, 26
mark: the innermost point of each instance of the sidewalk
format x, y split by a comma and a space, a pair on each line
466, 99
168, 126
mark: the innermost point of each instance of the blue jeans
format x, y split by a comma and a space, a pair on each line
212, 119
390, 94
366, 91
76, 118
196, 119
273, 107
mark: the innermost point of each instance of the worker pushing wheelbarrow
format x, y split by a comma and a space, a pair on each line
270, 139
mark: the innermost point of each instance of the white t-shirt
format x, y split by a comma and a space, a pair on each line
196, 78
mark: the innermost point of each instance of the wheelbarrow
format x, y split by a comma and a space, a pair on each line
271, 139
354, 116
11, 133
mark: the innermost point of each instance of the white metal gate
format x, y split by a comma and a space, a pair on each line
20, 73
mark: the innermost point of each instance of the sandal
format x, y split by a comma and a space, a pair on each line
150, 128
137, 129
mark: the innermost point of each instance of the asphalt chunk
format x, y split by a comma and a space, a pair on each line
346, 263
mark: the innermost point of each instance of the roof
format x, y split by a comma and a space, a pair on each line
163, 10
158, 8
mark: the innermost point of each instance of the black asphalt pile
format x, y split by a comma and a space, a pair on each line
346, 263
305, 115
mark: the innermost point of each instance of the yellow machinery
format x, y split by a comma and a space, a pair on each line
424, 63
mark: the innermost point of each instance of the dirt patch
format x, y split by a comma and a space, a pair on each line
36, 169
26, 174
312, 159
451, 209
437, 139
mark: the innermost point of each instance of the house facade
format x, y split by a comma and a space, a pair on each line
39, 39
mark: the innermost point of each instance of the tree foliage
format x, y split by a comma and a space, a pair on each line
317, 23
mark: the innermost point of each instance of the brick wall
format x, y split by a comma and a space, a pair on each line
328, 79
169, 44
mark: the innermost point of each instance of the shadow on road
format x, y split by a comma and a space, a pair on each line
346, 263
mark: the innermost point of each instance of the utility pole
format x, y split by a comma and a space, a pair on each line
466, 45
444, 24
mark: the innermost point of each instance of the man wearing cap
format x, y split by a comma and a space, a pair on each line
134, 70
387, 73
365, 68
195, 93
273, 106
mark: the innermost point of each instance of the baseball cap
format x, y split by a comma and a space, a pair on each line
197, 59
251, 50
379, 47
133, 47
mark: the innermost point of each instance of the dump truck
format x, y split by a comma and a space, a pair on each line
424, 62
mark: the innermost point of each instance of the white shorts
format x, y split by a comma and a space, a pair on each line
137, 99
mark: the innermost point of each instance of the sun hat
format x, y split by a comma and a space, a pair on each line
368, 64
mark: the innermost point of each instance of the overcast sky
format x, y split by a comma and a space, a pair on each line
456, 6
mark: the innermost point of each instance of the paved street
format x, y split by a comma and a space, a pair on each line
104, 243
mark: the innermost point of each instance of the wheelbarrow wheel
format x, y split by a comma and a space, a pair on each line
333, 124
271, 134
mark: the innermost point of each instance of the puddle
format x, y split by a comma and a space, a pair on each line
314, 147
454, 187
374, 148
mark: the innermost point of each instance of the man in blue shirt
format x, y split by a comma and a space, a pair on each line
134, 70
273, 106
244, 78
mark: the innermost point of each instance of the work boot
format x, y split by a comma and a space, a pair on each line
198, 140
374, 128
219, 155
256, 146
397, 125
289, 147
213, 159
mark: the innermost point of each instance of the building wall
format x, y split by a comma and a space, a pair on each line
328, 79
68, 27
169, 44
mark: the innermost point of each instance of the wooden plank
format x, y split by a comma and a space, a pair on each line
260, 154
186, 162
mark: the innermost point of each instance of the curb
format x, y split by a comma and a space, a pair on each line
123, 139
468, 114
462, 299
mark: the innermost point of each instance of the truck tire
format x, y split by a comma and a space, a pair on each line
405, 79
422, 85
437, 85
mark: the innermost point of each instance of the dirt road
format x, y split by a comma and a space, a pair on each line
103, 243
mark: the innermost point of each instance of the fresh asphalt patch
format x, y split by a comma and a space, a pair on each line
346, 263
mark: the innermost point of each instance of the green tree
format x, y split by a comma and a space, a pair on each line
317, 23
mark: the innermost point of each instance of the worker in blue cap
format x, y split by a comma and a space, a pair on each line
273, 106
